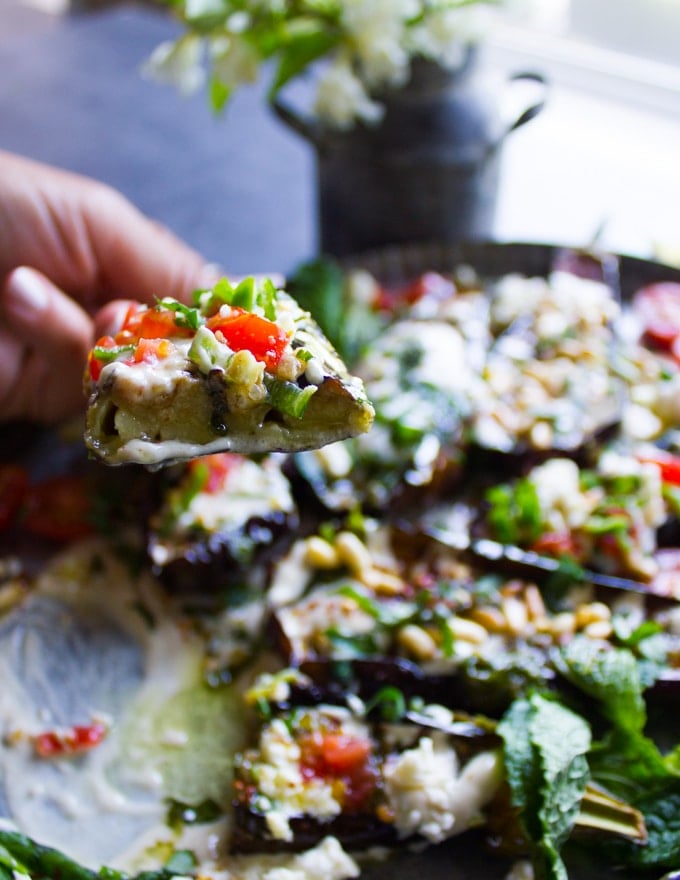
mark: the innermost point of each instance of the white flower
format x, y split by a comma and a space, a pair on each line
234, 61
443, 35
341, 98
178, 63
199, 8
377, 31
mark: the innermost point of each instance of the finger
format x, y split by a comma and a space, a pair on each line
138, 258
89, 239
51, 336
12, 352
109, 319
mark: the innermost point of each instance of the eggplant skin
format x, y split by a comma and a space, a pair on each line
202, 571
355, 831
476, 687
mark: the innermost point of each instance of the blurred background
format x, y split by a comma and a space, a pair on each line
600, 161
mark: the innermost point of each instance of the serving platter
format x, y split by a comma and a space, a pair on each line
82, 644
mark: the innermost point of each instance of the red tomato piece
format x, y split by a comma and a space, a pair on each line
658, 308
668, 464
218, 467
429, 284
95, 366
13, 489
342, 754
335, 756
245, 331
556, 544
59, 509
149, 323
69, 741
151, 350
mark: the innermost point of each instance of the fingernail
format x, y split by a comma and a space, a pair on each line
26, 294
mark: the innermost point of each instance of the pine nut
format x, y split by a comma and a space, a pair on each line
417, 642
320, 554
353, 552
467, 630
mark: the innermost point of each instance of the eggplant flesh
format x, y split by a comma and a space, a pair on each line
355, 831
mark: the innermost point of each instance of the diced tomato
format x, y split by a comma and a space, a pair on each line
95, 365
149, 323
69, 741
342, 753
59, 509
668, 464
347, 759
13, 488
556, 544
218, 467
149, 351
429, 284
658, 308
245, 331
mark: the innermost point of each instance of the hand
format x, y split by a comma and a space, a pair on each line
69, 246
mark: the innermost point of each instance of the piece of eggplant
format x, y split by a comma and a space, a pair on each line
366, 819
213, 535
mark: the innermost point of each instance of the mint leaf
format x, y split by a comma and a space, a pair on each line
609, 675
545, 747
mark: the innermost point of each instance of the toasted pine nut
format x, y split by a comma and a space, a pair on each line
384, 582
534, 602
490, 617
563, 623
467, 630
598, 629
593, 612
353, 552
515, 612
320, 554
417, 642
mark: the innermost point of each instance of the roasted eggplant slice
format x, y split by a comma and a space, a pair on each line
222, 522
470, 630
604, 518
245, 370
326, 770
418, 374
548, 381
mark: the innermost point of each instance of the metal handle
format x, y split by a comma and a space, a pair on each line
301, 124
532, 111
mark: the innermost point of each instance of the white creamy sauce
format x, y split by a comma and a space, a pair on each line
143, 381
442, 364
77, 650
250, 490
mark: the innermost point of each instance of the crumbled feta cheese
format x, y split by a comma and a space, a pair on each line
431, 797
562, 503
280, 780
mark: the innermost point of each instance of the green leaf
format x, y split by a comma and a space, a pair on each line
244, 294
182, 861
267, 297
289, 398
545, 747
610, 676
514, 515
308, 42
390, 703
219, 94
107, 355
318, 287
185, 316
